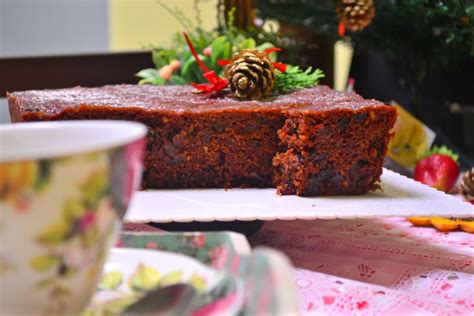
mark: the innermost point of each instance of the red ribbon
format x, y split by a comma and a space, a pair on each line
280, 66
215, 82
272, 49
223, 62
341, 29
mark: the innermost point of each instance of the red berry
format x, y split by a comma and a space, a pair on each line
438, 171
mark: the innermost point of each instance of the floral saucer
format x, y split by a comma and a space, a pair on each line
228, 277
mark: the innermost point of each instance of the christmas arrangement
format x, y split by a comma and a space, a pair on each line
213, 61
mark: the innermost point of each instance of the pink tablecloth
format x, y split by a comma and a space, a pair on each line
375, 267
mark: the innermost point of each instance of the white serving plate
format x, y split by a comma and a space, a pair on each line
401, 196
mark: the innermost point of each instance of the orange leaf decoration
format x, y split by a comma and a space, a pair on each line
444, 224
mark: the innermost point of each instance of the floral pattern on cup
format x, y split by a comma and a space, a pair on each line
78, 227
19, 181
70, 209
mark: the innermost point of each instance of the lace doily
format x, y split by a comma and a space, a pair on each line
373, 267
376, 266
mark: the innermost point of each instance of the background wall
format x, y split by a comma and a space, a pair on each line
56, 27
135, 24
53, 27
63, 27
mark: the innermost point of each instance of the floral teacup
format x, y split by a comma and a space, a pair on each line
64, 188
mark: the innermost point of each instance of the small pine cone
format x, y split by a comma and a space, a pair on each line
251, 74
467, 185
355, 14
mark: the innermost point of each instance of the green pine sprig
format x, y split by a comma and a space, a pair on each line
294, 78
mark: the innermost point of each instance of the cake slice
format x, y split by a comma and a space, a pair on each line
313, 141
333, 152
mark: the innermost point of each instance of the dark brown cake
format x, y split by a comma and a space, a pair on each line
309, 142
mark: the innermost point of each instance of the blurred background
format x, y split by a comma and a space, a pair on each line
38, 33
417, 53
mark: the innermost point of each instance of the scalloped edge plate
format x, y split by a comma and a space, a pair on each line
400, 196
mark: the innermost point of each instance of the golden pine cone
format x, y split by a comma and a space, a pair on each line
251, 74
355, 14
467, 185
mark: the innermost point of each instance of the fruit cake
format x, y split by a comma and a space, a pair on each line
313, 141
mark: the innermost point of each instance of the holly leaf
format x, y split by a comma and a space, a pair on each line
248, 43
147, 73
177, 80
150, 76
227, 51
191, 72
162, 57
186, 68
266, 45
158, 81
217, 49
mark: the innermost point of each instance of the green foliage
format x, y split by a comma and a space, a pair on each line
294, 78
443, 150
319, 15
431, 34
442, 30
420, 37
222, 43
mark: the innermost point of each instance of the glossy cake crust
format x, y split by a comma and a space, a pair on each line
309, 142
